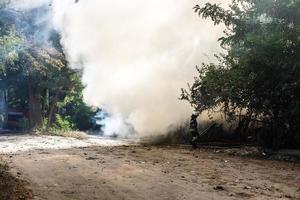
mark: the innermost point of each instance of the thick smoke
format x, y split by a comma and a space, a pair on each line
33, 22
136, 55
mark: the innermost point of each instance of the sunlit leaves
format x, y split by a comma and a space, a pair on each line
10, 45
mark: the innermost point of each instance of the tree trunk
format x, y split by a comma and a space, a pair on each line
275, 129
52, 110
35, 107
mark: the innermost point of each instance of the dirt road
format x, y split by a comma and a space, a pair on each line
158, 173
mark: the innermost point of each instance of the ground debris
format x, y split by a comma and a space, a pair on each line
247, 187
12, 188
91, 158
219, 187
118, 173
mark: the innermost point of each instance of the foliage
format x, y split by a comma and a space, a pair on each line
35, 74
63, 123
258, 79
73, 105
9, 43
63, 127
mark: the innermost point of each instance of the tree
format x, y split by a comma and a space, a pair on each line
74, 108
35, 72
258, 79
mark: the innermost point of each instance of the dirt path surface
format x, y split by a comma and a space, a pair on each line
10, 144
158, 173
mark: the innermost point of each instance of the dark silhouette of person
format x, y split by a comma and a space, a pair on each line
194, 130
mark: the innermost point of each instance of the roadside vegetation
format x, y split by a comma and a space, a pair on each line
256, 83
35, 77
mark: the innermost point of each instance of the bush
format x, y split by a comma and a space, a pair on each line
63, 123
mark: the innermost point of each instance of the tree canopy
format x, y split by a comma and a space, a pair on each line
258, 78
35, 72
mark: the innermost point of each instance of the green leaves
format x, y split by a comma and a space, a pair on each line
10, 44
260, 72
215, 13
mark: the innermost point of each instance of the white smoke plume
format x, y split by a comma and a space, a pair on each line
136, 55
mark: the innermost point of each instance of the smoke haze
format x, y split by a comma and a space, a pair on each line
135, 55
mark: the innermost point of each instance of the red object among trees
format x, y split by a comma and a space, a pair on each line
16, 118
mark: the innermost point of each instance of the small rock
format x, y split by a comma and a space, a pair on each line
219, 187
91, 158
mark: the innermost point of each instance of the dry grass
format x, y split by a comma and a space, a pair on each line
12, 188
175, 135
72, 134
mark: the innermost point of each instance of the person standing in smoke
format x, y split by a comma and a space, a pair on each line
194, 130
